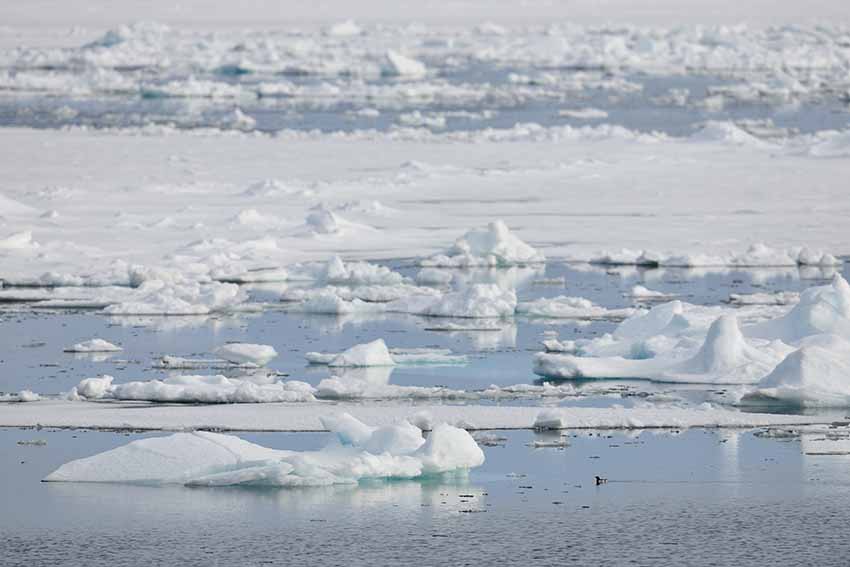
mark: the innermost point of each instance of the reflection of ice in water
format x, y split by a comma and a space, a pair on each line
173, 323
729, 441
504, 338
93, 356
374, 375
515, 277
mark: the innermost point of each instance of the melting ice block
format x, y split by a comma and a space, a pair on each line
212, 459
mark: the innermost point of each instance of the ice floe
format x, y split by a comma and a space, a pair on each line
195, 389
247, 353
494, 245
211, 459
94, 345
563, 307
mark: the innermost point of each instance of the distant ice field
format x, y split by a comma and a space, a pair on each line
345, 76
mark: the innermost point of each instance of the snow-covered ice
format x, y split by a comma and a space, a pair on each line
213, 459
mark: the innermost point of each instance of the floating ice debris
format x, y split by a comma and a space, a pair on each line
821, 309
564, 307
399, 65
475, 301
646, 294
815, 375
555, 345
247, 353
757, 255
374, 353
157, 297
776, 298
212, 459
584, 113
94, 345
22, 396
196, 389
495, 245
725, 357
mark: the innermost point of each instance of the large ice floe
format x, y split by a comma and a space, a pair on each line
196, 389
360, 452
798, 358
494, 245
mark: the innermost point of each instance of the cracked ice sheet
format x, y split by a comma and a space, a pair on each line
181, 194
307, 416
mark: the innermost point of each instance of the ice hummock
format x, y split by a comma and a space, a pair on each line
815, 375
359, 452
494, 245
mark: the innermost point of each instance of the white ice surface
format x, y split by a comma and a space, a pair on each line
213, 459
172, 220
307, 416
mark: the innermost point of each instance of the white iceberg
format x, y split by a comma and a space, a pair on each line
374, 353
815, 375
821, 309
398, 65
494, 245
94, 345
725, 357
212, 459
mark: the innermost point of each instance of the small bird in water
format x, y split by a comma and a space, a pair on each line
600, 480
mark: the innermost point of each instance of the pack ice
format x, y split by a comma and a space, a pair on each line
798, 358
359, 452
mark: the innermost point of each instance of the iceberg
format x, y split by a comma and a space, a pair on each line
359, 452
93, 345
815, 375
492, 246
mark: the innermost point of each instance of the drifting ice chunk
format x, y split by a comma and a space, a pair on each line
367, 354
822, 309
475, 301
724, 358
94, 345
433, 276
398, 65
22, 396
195, 389
157, 297
777, 298
570, 308
817, 374
242, 353
212, 459
495, 245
